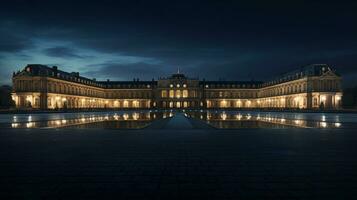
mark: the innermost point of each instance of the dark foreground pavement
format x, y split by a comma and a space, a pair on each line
178, 164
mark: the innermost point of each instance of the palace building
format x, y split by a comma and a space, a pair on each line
41, 87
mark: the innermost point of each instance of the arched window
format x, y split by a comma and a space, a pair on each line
172, 94
126, 104
178, 93
185, 94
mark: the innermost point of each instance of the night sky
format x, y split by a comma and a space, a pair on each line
206, 39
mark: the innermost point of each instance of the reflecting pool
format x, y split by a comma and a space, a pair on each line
115, 120
213, 118
246, 119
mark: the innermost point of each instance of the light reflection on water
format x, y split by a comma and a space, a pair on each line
231, 120
129, 120
216, 118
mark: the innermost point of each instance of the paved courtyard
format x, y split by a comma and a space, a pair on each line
175, 163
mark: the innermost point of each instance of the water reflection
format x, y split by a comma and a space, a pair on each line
140, 119
130, 120
221, 119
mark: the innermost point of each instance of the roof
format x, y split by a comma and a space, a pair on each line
44, 70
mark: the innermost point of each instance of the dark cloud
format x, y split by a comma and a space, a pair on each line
10, 43
119, 71
62, 52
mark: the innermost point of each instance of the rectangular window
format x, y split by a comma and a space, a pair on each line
172, 94
163, 94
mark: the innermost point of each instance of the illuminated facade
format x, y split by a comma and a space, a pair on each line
42, 87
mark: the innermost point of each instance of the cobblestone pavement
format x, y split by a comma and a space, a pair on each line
178, 164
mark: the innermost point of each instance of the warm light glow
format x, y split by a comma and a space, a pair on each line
171, 93
136, 104
185, 105
178, 94
239, 116
323, 98
223, 104
116, 117
135, 116
224, 116
29, 125
126, 104
184, 93
125, 116
323, 124
323, 118
337, 125
238, 103
249, 116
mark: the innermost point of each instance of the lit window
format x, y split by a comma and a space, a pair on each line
126, 104
171, 85
136, 104
178, 85
172, 94
185, 104
163, 94
178, 94
223, 104
185, 94
184, 85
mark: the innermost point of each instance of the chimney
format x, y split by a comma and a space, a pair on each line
108, 80
55, 68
